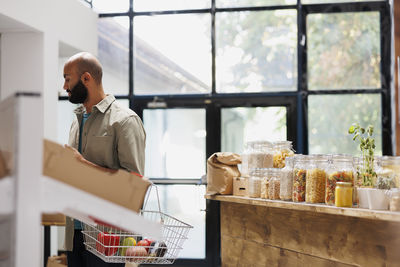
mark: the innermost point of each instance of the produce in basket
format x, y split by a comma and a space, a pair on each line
107, 244
138, 252
158, 249
126, 243
145, 243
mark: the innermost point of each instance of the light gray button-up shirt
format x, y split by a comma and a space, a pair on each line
112, 137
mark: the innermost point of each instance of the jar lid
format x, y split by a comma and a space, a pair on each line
344, 184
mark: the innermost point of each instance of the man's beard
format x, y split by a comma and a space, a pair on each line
78, 94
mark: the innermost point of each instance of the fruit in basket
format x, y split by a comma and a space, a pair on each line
138, 252
126, 243
145, 243
158, 249
107, 244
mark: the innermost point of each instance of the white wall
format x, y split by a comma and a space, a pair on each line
69, 20
31, 33
34, 34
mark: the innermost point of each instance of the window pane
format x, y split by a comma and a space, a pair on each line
248, 3
65, 116
175, 143
330, 117
343, 51
124, 102
334, 1
256, 51
172, 57
107, 6
184, 202
159, 5
114, 54
240, 125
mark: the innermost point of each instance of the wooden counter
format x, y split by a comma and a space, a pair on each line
258, 232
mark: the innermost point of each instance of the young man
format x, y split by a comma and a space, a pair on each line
104, 135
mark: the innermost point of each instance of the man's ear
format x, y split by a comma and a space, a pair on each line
86, 77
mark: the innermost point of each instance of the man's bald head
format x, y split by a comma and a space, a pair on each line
86, 62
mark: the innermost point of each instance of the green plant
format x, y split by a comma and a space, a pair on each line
367, 146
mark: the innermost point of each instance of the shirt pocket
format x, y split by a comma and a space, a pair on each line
100, 150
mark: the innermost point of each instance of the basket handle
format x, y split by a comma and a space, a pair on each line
158, 200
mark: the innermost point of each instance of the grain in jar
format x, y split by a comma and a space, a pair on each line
255, 179
299, 178
286, 188
282, 149
340, 170
261, 155
316, 179
390, 167
274, 185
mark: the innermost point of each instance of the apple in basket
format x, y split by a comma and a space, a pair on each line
136, 252
145, 243
107, 244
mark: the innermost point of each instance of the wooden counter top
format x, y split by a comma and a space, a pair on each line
318, 208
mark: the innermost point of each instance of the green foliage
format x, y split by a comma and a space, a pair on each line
367, 147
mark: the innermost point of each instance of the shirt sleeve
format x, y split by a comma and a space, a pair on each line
131, 145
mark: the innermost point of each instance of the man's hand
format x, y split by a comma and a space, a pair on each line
77, 155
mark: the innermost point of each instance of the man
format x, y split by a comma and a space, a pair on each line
104, 135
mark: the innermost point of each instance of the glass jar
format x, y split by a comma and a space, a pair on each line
344, 194
282, 149
316, 178
286, 188
261, 155
299, 178
248, 148
340, 170
264, 183
394, 203
256, 176
389, 173
274, 183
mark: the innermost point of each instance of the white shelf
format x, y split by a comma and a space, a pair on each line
6, 196
60, 197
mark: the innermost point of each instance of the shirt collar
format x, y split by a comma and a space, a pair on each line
102, 106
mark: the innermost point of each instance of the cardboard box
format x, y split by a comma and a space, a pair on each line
57, 261
56, 219
240, 186
122, 188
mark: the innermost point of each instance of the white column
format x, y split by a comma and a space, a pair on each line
21, 63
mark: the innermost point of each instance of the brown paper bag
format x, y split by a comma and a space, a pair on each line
221, 169
57, 261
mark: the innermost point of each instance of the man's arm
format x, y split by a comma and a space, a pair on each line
131, 143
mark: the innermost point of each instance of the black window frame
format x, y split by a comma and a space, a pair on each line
296, 101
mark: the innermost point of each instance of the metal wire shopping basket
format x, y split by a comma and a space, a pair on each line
118, 246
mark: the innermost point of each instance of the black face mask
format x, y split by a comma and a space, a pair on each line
78, 94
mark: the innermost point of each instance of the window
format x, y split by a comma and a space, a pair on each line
209, 75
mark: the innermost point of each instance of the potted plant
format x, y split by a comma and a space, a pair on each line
365, 171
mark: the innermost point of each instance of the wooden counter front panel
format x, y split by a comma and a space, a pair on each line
264, 236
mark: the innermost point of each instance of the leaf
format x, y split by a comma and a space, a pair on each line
351, 130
